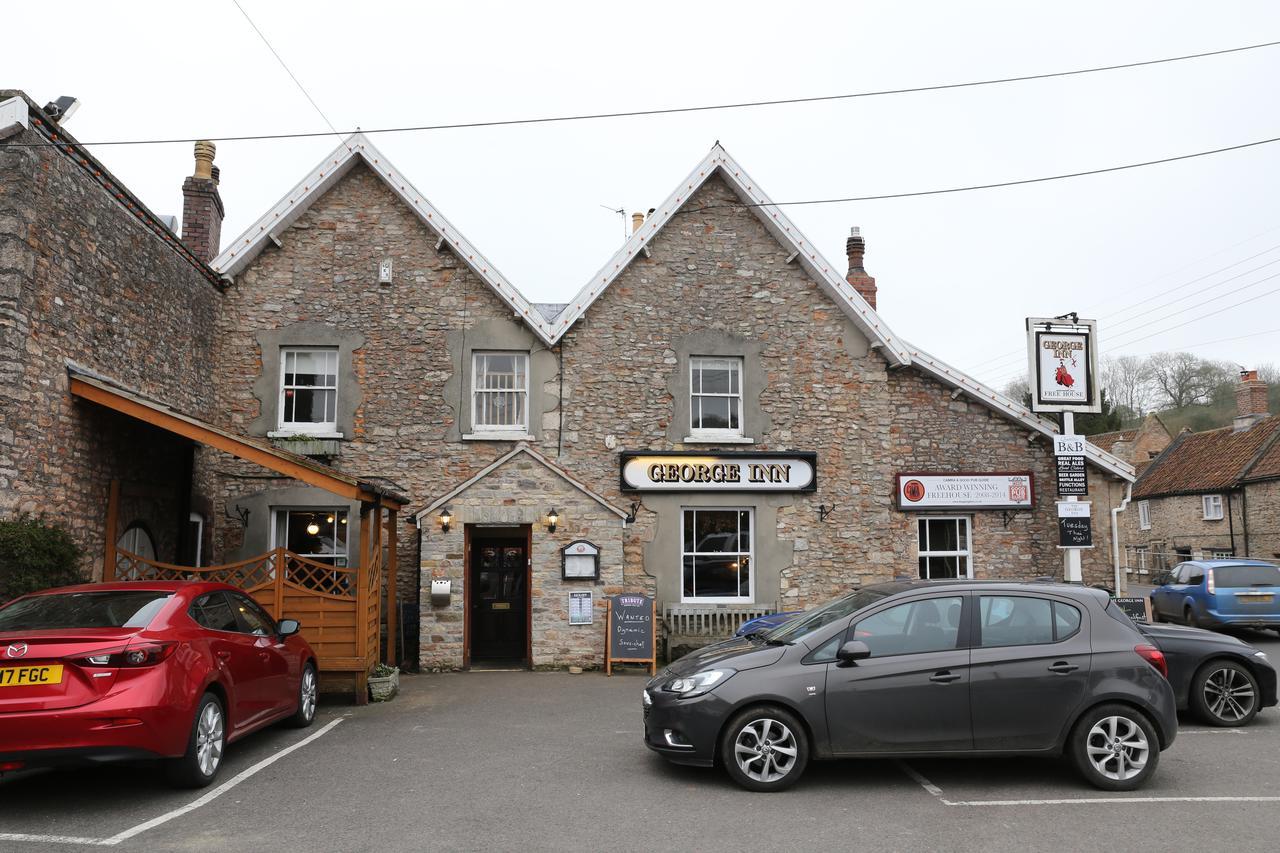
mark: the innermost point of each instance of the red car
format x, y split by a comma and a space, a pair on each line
171, 670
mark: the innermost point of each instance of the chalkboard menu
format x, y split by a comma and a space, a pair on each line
1075, 532
1134, 608
630, 631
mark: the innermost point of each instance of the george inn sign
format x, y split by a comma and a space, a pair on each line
719, 472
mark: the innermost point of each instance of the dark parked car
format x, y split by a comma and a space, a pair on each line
921, 668
1219, 593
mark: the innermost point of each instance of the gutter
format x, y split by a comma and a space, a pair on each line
1115, 532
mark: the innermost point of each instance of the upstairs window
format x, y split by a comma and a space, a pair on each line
715, 396
309, 390
1144, 515
500, 397
1212, 507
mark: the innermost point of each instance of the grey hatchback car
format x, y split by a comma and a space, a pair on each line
916, 668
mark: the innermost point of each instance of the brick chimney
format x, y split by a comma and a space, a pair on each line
1251, 400
857, 276
202, 206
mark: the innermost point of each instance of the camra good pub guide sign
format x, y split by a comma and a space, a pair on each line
1063, 364
719, 472
965, 491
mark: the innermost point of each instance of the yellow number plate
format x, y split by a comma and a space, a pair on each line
22, 676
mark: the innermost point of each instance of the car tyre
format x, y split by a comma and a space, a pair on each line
764, 748
1189, 618
1114, 747
1224, 693
308, 694
200, 764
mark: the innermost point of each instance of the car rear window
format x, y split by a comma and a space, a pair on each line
1246, 575
119, 608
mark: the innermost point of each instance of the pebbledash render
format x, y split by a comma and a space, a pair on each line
359, 325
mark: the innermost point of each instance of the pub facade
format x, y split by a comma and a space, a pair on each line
720, 417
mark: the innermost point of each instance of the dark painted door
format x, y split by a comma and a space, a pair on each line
499, 599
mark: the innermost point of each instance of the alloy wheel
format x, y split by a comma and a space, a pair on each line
1228, 695
209, 739
307, 700
765, 750
1118, 748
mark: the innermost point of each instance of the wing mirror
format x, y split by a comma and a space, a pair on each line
287, 628
854, 650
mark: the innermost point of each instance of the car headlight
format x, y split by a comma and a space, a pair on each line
698, 683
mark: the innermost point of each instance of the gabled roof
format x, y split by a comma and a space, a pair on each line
551, 321
1108, 440
521, 449
1267, 464
358, 149
1211, 461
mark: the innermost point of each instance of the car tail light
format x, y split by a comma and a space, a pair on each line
1155, 657
142, 654
10, 766
1209, 582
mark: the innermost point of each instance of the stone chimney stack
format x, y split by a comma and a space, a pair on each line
1251, 400
202, 205
856, 247
637, 219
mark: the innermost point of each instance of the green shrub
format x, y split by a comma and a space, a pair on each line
35, 555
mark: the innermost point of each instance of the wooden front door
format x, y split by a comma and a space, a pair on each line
499, 596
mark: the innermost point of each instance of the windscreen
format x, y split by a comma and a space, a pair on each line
117, 608
811, 620
1246, 576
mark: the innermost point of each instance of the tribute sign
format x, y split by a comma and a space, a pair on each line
1063, 364
629, 632
719, 472
965, 491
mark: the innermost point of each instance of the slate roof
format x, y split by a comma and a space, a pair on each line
1211, 461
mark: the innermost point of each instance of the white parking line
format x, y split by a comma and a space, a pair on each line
178, 812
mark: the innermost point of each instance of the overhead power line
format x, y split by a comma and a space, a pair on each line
737, 105
292, 76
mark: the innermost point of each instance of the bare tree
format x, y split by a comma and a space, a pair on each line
1182, 379
1017, 389
1128, 382
1269, 373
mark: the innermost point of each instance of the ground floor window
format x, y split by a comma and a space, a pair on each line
945, 550
718, 554
318, 533
137, 541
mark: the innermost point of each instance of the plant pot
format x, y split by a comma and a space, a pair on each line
383, 687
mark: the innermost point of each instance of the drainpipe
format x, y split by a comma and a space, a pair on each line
1244, 517
1231, 525
1115, 532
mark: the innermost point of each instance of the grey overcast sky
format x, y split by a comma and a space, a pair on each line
957, 273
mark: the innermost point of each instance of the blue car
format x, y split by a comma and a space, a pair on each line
1219, 593
763, 624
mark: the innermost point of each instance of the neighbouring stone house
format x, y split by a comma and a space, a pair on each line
1140, 445
719, 413
1210, 494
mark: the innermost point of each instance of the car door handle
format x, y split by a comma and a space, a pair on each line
945, 677
1062, 667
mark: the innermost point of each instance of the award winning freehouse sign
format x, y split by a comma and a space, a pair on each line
719, 472
965, 491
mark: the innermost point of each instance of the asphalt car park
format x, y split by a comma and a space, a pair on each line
539, 761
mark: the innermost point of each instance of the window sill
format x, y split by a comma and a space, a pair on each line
302, 434
498, 436
718, 439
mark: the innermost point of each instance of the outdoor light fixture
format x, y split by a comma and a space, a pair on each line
313, 528
553, 518
329, 519
446, 518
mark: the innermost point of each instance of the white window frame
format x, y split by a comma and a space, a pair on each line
1220, 554
704, 434
520, 430
198, 519
1212, 506
280, 531
967, 552
1143, 553
751, 557
314, 428
1144, 515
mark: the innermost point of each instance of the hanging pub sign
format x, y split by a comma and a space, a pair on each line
1063, 364
692, 471
966, 491
1073, 476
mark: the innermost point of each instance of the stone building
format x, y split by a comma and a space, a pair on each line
720, 414
1210, 494
1140, 445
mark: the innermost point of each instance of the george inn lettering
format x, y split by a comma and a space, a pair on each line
737, 472
1062, 349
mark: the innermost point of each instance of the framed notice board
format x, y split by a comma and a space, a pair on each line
630, 633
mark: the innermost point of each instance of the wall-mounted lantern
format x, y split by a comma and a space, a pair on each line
553, 518
446, 518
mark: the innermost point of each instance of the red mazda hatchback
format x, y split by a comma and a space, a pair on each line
170, 670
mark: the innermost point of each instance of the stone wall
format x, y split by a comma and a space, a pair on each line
84, 279
1178, 522
1263, 501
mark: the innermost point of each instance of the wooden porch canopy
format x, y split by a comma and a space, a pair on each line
375, 498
